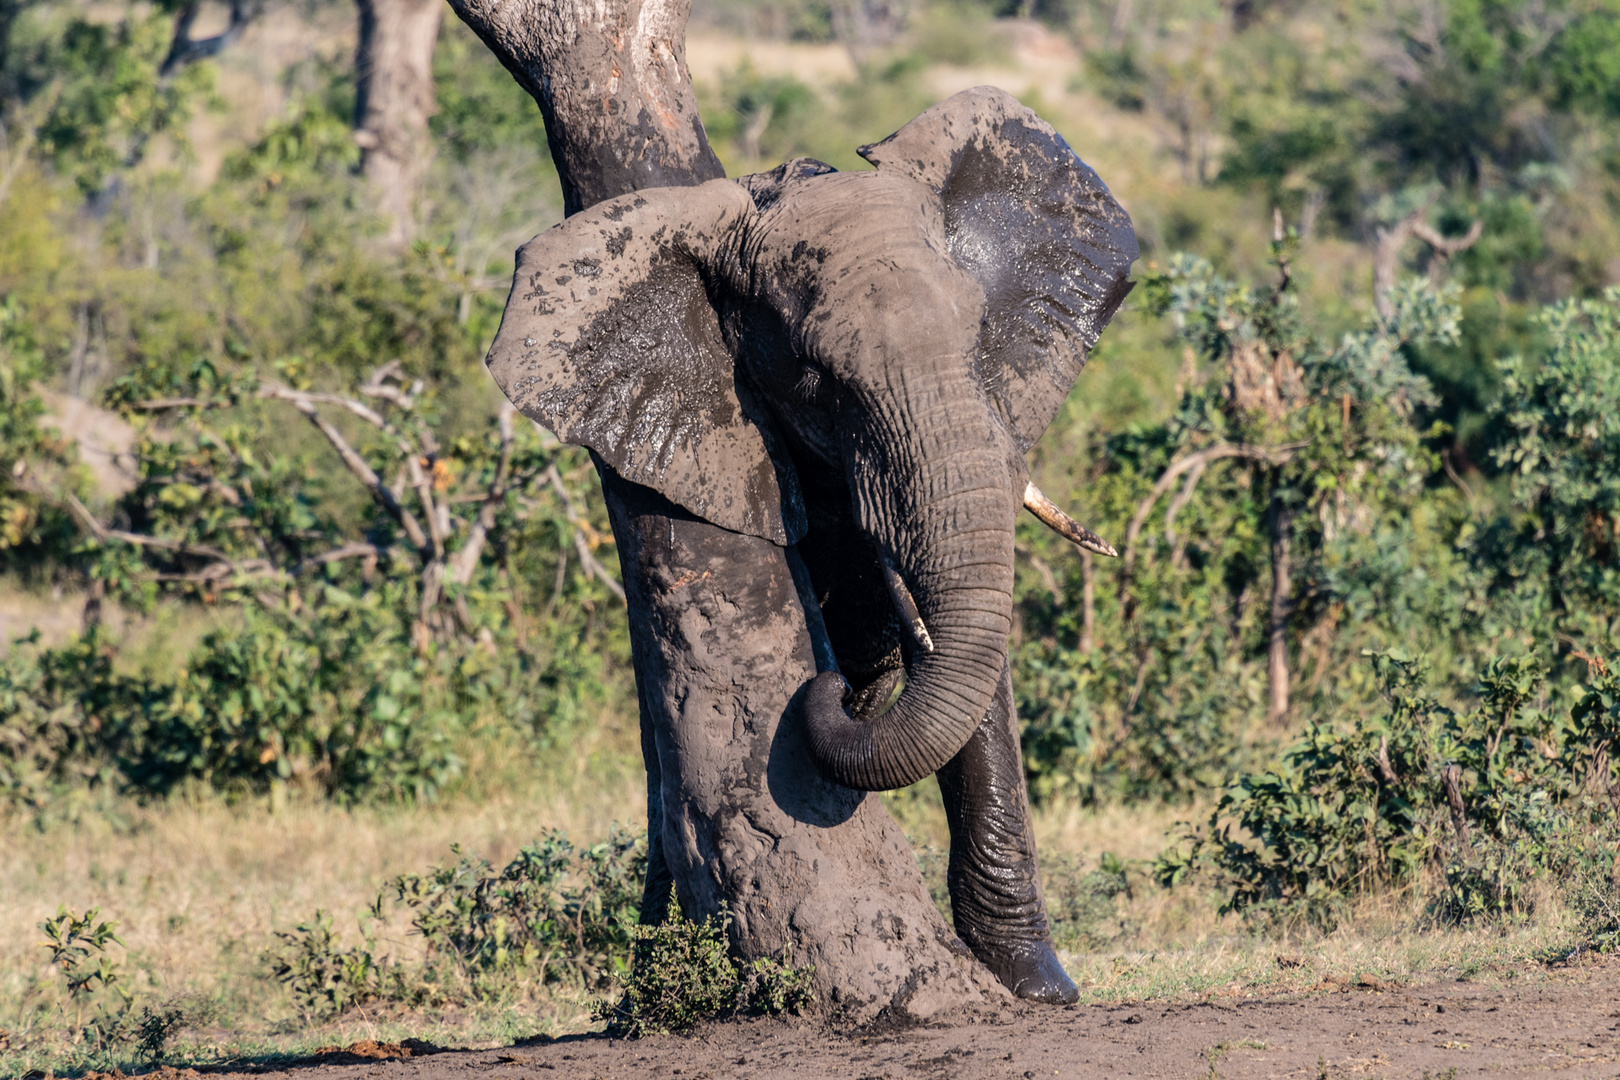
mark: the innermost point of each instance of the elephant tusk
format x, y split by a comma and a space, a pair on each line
1064, 525
908, 608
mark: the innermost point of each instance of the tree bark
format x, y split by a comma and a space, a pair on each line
725, 630
612, 83
393, 101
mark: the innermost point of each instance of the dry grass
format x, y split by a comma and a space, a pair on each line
200, 889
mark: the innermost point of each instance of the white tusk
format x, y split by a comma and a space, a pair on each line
1064, 525
908, 607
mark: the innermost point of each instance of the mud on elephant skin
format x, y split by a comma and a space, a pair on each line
855, 364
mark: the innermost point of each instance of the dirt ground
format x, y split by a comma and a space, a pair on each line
1563, 1021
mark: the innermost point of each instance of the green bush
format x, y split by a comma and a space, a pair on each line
554, 914
1475, 808
684, 974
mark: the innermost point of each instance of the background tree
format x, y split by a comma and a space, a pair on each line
393, 103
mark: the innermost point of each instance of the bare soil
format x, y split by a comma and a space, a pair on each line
1529, 1020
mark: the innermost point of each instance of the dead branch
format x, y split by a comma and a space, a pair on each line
1391, 240
368, 478
1088, 603
1449, 246
1275, 455
465, 561
184, 49
1178, 549
582, 548
1039, 565
358, 550
1282, 606
1385, 769
1452, 776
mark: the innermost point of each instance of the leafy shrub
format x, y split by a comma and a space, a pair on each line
1487, 800
684, 974
554, 914
365, 650
326, 977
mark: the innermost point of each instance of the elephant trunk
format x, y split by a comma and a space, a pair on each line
956, 560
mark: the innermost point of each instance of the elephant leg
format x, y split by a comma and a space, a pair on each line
994, 881
655, 895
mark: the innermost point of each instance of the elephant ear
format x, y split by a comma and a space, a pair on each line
609, 340
1039, 231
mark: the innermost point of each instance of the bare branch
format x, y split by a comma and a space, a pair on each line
1385, 769
465, 561
1393, 238
1275, 455
582, 548
357, 550
1177, 549
300, 398
373, 483
159, 404
1388, 254
184, 49
1449, 246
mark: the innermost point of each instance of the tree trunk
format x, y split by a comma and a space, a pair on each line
725, 632
1282, 589
1088, 603
393, 100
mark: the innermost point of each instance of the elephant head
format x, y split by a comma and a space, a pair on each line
899, 337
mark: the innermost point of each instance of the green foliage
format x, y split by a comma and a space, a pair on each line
1082, 904
1558, 412
363, 653
26, 521
106, 100
555, 914
326, 977
1278, 434
1478, 807
78, 948
684, 974
155, 1027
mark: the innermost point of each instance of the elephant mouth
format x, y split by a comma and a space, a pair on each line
951, 661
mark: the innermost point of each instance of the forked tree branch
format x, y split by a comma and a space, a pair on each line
465, 561
1275, 455
582, 548
611, 80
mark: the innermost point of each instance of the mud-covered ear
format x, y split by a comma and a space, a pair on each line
610, 340
1039, 231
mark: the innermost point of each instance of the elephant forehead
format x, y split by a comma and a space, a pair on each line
861, 263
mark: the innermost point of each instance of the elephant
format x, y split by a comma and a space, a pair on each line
855, 364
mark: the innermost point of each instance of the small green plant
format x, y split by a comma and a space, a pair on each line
555, 914
324, 976
685, 974
78, 948
555, 911
155, 1027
